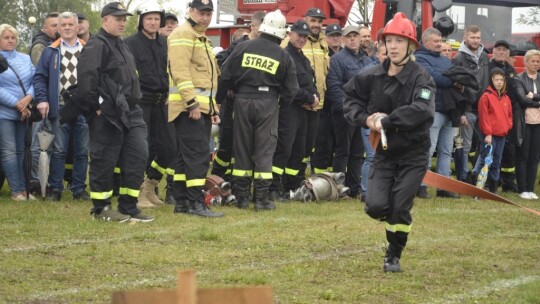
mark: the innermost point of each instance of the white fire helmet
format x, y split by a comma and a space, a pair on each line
150, 7
274, 24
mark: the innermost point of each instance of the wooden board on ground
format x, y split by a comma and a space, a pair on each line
188, 293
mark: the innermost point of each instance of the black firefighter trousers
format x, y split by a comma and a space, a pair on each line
222, 162
323, 151
129, 148
392, 186
311, 135
161, 141
192, 158
349, 151
255, 138
290, 150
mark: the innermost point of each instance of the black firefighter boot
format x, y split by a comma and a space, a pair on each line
397, 242
275, 191
241, 187
261, 195
181, 206
169, 196
200, 209
492, 185
508, 180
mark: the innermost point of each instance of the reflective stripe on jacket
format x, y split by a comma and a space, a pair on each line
193, 71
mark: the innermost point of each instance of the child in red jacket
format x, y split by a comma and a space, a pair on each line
495, 121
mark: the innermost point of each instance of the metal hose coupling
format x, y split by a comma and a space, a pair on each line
384, 141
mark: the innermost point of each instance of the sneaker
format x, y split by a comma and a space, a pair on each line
54, 195
18, 197
141, 217
526, 195
422, 192
533, 195
108, 214
82, 196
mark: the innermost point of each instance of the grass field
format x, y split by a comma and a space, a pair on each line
460, 251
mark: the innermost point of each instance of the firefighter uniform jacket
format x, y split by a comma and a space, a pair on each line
193, 71
316, 50
111, 56
408, 100
259, 64
305, 77
151, 59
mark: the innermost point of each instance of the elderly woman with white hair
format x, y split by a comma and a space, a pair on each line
16, 93
527, 124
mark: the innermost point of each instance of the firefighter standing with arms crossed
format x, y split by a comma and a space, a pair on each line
258, 72
192, 107
396, 96
316, 50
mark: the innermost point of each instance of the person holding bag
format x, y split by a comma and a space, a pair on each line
16, 94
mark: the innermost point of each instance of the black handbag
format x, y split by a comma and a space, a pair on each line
3, 64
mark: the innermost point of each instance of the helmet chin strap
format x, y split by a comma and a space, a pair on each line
401, 62
149, 34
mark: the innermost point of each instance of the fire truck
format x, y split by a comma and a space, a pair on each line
498, 19
241, 10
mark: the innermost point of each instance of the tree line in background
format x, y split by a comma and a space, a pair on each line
17, 12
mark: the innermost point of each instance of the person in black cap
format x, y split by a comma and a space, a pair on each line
171, 22
84, 28
110, 90
334, 35
192, 107
349, 145
292, 125
323, 151
316, 50
501, 53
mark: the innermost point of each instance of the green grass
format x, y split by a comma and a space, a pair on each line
460, 251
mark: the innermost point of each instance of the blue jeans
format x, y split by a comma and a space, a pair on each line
441, 135
495, 167
62, 134
12, 153
462, 160
368, 159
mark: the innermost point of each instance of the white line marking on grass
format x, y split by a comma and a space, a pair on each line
487, 290
372, 247
134, 284
74, 242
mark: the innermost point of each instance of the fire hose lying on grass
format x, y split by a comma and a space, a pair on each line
217, 191
321, 187
445, 183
